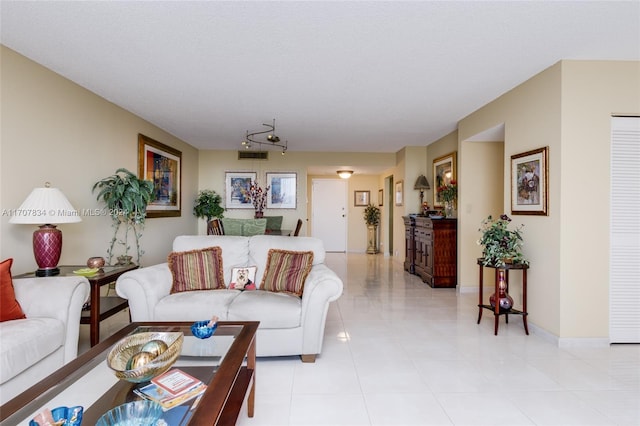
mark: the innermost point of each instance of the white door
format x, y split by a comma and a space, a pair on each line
329, 213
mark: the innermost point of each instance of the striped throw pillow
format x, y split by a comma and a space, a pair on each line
196, 270
286, 271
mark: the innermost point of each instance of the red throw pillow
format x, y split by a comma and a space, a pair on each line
286, 271
196, 270
9, 307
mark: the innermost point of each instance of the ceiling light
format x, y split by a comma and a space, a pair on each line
345, 174
271, 139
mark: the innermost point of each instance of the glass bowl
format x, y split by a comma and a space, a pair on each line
71, 416
131, 345
201, 330
137, 413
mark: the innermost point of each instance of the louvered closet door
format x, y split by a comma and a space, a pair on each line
624, 262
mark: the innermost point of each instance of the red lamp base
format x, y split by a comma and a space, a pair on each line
47, 246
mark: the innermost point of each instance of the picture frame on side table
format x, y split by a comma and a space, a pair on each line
162, 165
444, 172
399, 193
529, 182
284, 190
361, 198
236, 185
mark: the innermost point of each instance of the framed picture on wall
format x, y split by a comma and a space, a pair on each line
283, 192
162, 165
444, 172
361, 198
380, 197
236, 187
529, 182
399, 195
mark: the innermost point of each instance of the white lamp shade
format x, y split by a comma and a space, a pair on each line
45, 206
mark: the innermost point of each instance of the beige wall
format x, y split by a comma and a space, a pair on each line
568, 108
54, 130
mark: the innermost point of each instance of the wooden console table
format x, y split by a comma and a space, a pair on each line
497, 311
100, 308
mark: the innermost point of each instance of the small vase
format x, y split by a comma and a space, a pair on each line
259, 215
448, 209
504, 300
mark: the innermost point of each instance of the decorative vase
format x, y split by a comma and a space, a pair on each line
372, 239
504, 300
259, 215
448, 208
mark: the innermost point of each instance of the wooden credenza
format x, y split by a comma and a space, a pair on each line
431, 250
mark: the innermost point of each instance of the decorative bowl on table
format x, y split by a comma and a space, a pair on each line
69, 416
202, 330
140, 357
137, 413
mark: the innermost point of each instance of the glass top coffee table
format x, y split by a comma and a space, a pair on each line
226, 362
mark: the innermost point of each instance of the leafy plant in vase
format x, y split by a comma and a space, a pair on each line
258, 198
207, 205
126, 197
372, 219
448, 194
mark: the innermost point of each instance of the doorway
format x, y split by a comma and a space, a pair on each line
388, 188
329, 213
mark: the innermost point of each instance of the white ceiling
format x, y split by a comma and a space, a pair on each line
336, 76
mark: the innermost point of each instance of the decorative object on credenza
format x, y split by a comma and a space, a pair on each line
529, 182
500, 244
126, 198
502, 298
345, 174
271, 140
162, 165
207, 205
444, 171
284, 190
96, 262
258, 198
372, 219
46, 206
421, 185
448, 193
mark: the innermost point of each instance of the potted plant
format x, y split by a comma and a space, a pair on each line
207, 205
501, 245
258, 198
126, 198
448, 193
372, 219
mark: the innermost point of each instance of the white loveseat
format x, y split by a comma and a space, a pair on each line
289, 325
34, 347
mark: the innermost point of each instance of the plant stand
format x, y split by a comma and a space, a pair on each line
372, 239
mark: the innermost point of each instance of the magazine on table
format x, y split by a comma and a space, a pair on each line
176, 388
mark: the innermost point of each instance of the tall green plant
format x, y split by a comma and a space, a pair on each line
126, 198
207, 205
371, 215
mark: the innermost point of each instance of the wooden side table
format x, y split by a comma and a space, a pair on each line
497, 311
100, 308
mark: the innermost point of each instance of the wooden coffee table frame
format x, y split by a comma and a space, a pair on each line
220, 405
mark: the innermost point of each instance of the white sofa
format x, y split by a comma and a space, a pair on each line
34, 347
289, 325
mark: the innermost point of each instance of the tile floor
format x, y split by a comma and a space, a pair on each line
397, 352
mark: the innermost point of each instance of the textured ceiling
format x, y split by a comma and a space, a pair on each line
336, 76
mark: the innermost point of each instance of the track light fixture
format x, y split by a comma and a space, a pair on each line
272, 140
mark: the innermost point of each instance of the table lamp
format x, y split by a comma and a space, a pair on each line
46, 206
421, 184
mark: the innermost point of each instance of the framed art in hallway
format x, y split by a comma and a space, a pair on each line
283, 192
529, 182
399, 193
361, 198
444, 171
236, 185
380, 197
162, 165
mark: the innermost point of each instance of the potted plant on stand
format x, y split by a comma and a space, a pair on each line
258, 198
372, 219
126, 198
207, 205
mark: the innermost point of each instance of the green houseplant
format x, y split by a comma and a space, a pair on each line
126, 198
500, 244
207, 205
372, 219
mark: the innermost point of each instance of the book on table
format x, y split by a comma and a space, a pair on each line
172, 390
